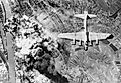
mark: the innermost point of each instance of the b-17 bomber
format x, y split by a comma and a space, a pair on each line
60, 41
84, 36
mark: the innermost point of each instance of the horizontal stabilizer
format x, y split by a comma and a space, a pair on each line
83, 15
80, 15
92, 15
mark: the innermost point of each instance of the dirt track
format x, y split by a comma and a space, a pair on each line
11, 61
7, 13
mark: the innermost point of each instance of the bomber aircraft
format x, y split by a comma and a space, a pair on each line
84, 37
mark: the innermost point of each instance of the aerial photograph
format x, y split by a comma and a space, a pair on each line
60, 41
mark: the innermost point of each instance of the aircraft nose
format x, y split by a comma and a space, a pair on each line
85, 47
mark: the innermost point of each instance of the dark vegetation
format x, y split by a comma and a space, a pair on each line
65, 49
42, 64
53, 4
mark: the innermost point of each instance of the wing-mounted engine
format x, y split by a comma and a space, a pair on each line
80, 43
73, 42
97, 42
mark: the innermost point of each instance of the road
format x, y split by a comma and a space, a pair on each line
10, 51
7, 14
7, 8
11, 60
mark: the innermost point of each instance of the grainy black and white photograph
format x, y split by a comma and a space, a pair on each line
60, 41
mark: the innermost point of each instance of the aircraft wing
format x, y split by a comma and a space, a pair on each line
70, 36
98, 36
80, 36
77, 36
80, 16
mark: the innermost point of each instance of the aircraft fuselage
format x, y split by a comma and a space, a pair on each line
86, 32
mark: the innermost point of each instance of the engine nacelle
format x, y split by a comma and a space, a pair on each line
73, 42
80, 43
97, 42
